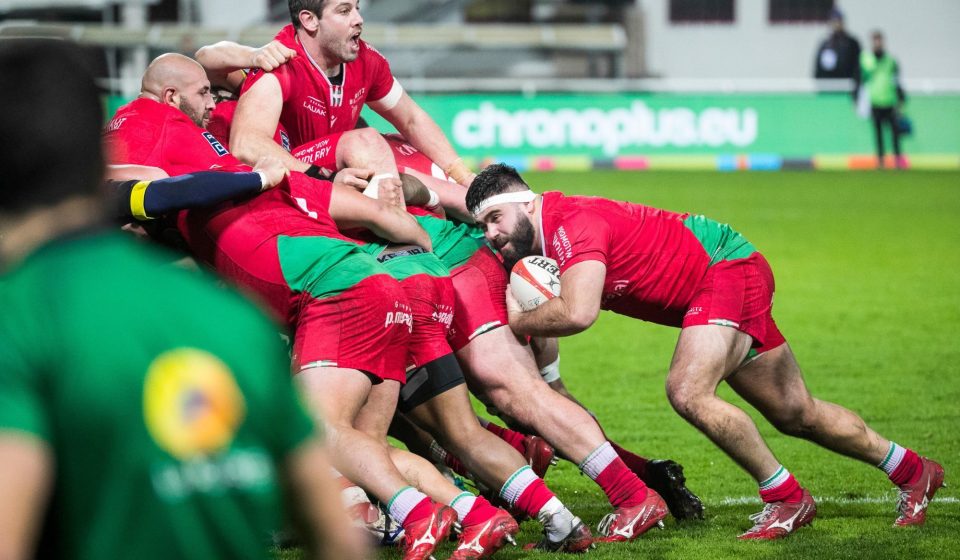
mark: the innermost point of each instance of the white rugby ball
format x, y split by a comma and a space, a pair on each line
534, 280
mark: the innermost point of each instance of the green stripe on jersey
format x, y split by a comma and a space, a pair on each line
405, 266
720, 241
453, 242
324, 267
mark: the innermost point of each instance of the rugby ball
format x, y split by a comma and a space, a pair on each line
534, 280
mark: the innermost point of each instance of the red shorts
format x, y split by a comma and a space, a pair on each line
363, 328
479, 285
738, 294
432, 301
321, 152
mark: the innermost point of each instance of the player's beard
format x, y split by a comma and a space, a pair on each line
521, 243
199, 116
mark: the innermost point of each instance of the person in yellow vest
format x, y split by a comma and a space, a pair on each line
880, 74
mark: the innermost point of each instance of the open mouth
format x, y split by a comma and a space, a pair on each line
355, 40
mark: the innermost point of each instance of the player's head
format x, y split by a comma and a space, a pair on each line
180, 82
503, 204
50, 126
334, 25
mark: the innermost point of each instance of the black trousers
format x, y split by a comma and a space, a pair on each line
886, 115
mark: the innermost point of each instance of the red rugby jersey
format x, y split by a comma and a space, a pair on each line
312, 106
654, 262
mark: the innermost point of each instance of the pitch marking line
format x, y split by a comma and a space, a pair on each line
748, 500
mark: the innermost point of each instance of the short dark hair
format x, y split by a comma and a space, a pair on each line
495, 179
296, 6
50, 125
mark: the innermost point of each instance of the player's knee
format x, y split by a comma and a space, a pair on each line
686, 398
363, 140
795, 419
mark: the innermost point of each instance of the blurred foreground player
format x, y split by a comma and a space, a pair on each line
691, 272
168, 432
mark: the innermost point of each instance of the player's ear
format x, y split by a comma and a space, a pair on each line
309, 21
169, 96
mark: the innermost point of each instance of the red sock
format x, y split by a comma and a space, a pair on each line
790, 492
621, 485
480, 512
419, 511
455, 465
533, 498
515, 439
909, 469
634, 462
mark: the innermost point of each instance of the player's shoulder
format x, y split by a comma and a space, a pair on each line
369, 52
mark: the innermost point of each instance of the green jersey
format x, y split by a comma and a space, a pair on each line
881, 78
167, 403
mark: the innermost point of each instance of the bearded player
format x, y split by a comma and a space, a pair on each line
690, 272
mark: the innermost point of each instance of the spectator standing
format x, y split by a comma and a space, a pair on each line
839, 54
880, 74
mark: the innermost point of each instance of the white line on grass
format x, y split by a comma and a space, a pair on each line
744, 500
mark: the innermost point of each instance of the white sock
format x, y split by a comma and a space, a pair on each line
517, 483
892, 460
779, 477
462, 504
598, 460
403, 502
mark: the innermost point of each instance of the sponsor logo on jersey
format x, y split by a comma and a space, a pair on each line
191, 403
562, 246
215, 144
443, 314
358, 97
617, 289
315, 106
402, 315
116, 123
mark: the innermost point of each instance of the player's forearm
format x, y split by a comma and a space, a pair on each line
225, 57
395, 224
554, 318
424, 134
250, 147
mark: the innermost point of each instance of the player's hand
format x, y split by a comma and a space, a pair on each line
273, 170
391, 191
513, 306
353, 177
271, 56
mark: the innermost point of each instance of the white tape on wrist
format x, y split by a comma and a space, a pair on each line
373, 187
503, 198
551, 372
434, 201
264, 182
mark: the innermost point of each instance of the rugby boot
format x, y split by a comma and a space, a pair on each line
666, 478
779, 519
562, 532
422, 536
914, 497
628, 523
481, 540
538, 454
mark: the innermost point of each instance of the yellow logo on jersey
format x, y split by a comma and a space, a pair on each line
191, 402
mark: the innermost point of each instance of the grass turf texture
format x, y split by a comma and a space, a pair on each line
868, 294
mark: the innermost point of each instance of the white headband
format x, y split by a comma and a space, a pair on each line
503, 198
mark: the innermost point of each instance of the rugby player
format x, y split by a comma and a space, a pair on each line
318, 94
284, 247
101, 347
690, 272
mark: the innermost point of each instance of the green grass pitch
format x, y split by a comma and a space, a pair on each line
868, 294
